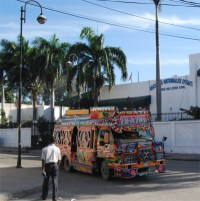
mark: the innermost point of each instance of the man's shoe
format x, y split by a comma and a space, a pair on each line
59, 198
42, 198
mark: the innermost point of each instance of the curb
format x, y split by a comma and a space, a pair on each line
183, 157
23, 151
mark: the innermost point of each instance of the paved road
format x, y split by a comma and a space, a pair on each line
181, 182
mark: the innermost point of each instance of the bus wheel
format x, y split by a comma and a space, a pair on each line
67, 166
106, 173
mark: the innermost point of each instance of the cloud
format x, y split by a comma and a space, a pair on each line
69, 28
163, 61
10, 31
10, 25
174, 20
129, 21
141, 23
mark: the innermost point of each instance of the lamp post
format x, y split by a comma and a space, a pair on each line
70, 63
41, 20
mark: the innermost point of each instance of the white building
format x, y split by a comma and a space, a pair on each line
177, 92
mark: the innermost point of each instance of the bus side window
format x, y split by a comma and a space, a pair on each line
57, 134
83, 139
103, 137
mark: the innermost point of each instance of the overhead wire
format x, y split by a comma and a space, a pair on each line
144, 18
184, 2
113, 24
142, 3
126, 2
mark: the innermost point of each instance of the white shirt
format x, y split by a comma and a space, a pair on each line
51, 154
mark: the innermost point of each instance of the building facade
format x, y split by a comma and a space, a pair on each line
177, 92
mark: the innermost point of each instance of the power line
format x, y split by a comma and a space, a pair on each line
142, 3
190, 3
114, 24
144, 18
126, 2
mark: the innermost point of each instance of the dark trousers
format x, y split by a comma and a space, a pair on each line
52, 171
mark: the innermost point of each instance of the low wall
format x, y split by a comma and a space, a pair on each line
27, 112
182, 136
9, 137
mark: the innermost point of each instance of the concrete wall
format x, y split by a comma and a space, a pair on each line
11, 112
182, 136
27, 112
9, 137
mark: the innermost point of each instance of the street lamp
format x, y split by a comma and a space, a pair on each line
70, 63
41, 20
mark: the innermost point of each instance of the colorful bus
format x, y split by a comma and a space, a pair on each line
103, 140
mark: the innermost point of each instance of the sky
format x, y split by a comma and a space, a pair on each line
130, 26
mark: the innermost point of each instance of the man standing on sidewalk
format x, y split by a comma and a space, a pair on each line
50, 168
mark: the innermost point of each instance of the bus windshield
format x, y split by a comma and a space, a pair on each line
133, 135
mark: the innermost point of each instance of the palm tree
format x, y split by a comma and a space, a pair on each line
33, 80
158, 84
2, 90
10, 55
53, 53
96, 63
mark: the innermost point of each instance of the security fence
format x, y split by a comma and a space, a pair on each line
172, 117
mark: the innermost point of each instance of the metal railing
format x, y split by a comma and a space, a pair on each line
172, 117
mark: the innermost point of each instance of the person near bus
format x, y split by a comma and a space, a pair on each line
51, 158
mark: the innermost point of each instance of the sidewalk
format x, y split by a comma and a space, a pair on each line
19, 182
185, 157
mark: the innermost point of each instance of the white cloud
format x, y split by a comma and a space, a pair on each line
138, 22
163, 61
10, 31
9, 25
175, 20
174, 61
141, 61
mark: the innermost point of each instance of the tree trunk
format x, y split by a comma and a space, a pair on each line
2, 102
34, 107
52, 108
52, 104
158, 83
96, 96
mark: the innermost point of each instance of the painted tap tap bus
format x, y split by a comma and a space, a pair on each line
110, 142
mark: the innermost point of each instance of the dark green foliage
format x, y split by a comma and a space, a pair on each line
27, 124
43, 126
193, 111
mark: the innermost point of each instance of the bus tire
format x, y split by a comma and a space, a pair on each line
66, 165
106, 173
